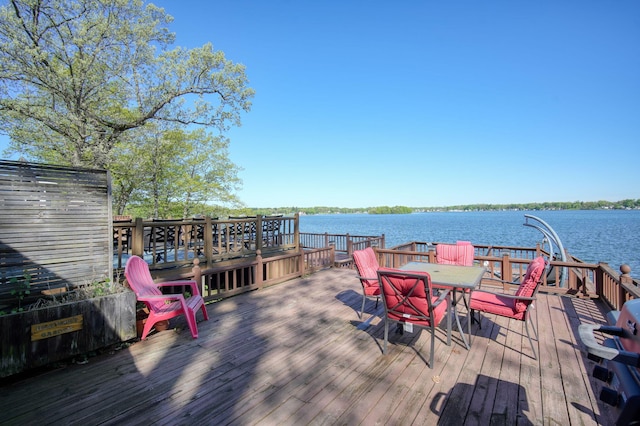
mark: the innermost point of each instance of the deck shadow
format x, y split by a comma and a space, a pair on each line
353, 299
475, 403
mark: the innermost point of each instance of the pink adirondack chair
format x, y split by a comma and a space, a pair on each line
163, 306
516, 306
367, 265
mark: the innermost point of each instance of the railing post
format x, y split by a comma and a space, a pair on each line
332, 255
197, 275
137, 246
505, 270
598, 277
208, 241
259, 232
383, 242
259, 269
301, 262
432, 255
296, 231
572, 280
625, 281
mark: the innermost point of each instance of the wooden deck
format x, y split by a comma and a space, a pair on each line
297, 353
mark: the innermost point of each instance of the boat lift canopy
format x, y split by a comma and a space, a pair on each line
552, 240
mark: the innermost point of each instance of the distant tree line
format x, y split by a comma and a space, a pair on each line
564, 205
628, 204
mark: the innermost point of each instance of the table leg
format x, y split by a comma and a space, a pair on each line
467, 303
467, 343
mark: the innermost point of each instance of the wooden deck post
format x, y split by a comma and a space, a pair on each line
625, 282
432, 255
137, 245
259, 268
333, 255
259, 233
197, 275
296, 231
507, 273
208, 240
598, 276
301, 262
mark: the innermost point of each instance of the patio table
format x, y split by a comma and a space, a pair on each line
463, 278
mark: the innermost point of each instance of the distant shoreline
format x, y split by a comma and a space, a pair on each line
630, 204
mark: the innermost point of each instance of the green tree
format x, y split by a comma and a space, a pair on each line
78, 75
128, 171
173, 173
207, 173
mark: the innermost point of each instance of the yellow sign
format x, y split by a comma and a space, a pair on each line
45, 330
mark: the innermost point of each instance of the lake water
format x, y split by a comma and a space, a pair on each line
611, 236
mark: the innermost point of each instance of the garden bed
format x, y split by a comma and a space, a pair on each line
43, 336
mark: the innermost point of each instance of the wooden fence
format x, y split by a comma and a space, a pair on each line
54, 229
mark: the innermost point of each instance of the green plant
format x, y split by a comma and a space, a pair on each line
96, 288
22, 289
101, 288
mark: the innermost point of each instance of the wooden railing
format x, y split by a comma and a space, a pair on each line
343, 243
249, 274
510, 263
615, 288
175, 243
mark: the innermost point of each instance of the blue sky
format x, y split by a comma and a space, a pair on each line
429, 103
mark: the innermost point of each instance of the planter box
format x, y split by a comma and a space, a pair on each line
43, 336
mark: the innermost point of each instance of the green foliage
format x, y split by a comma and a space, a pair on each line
22, 288
95, 288
390, 210
171, 173
560, 205
574, 205
100, 288
94, 83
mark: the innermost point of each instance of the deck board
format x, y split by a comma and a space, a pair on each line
297, 353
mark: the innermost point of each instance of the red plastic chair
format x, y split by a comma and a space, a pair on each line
163, 306
409, 299
517, 306
367, 265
